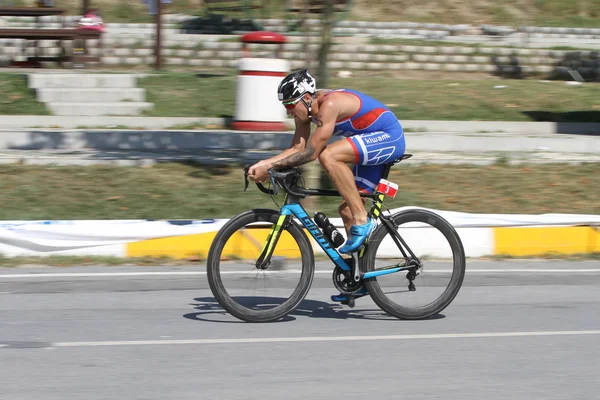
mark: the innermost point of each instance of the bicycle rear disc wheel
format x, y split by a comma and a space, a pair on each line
440, 253
253, 294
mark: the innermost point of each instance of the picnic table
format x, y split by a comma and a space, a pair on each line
78, 38
30, 11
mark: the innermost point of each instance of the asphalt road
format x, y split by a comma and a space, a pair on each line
518, 330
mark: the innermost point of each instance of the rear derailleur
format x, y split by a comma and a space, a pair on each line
414, 268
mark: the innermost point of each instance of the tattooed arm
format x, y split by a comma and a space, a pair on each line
296, 159
301, 154
325, 125
258, 171
299, 141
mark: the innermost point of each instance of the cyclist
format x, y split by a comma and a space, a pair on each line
373, 136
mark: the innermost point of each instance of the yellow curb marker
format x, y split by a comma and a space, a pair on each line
246, 244
527, 241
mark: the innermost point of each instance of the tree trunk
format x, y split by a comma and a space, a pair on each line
85, 5
158, 42
304, 32
326, 42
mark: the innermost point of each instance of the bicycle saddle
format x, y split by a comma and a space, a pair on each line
404, 157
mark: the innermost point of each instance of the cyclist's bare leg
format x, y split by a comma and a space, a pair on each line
346, 215
335, 159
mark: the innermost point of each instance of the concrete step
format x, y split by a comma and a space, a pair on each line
82, 80
93, 109
91, 95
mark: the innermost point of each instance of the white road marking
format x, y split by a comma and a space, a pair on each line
287, 271
303, 339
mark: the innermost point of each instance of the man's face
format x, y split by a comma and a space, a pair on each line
296, 108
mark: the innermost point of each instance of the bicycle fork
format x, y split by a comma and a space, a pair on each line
264, 259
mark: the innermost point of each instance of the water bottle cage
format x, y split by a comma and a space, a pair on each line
334, 236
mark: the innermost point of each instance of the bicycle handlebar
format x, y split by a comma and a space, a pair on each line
287, 181
261, 187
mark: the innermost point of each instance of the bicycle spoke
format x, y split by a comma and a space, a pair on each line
261, 291
425, 285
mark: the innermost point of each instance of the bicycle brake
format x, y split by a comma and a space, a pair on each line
273, 184
246, 182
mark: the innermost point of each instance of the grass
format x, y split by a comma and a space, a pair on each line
72, 261
184, 94
412, 96
502, 188
17, 98
187, 94
575, 13
180, 94
177, 191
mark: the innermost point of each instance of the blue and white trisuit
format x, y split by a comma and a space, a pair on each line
375, 135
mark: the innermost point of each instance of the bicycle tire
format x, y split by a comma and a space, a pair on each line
213, 267
457, 272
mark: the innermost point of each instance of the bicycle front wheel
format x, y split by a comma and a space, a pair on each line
430, 278
241, 285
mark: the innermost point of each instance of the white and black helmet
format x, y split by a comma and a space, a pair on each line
295, 85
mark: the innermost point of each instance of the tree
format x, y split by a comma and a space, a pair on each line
85, 5
327, 25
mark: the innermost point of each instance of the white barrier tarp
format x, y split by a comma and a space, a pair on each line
26, 237
468, 220
45, 236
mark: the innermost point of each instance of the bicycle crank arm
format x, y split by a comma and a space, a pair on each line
355, 268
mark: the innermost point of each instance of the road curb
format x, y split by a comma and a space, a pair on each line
19, 122
181, 141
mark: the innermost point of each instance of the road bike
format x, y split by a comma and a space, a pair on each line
261, 263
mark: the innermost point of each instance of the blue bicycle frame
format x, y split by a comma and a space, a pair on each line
315, 232
295, 209
292, 207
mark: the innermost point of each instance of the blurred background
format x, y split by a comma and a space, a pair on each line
112, 67
116, 110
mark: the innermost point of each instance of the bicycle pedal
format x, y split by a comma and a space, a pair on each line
348, 298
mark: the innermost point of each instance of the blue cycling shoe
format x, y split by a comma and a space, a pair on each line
358, 235
343, 298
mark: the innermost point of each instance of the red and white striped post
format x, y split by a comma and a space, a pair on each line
257, 106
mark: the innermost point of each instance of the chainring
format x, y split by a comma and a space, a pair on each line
344, 282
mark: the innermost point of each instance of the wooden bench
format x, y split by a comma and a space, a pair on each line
30, 34
61, 35
30, 11
80, 56
315, 9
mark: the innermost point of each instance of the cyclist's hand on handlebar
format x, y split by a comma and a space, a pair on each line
259, 172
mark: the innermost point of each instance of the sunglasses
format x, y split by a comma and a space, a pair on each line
289, 105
